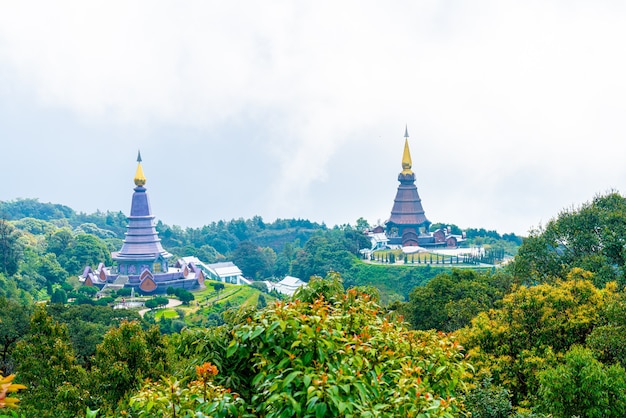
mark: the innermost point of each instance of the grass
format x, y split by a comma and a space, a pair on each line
167, 313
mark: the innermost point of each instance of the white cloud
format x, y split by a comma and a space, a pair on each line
497, 90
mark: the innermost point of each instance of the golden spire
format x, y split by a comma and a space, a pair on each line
140, 179
406, 157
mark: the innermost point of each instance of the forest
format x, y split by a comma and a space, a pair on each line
541, 336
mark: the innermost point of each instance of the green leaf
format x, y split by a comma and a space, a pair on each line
257, 331
290, 377
320, 410
232, 348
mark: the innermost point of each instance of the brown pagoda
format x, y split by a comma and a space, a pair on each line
408, 221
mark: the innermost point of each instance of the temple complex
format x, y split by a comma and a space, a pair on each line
408, 221
408, 225
142, 263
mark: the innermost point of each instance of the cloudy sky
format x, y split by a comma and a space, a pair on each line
515, 110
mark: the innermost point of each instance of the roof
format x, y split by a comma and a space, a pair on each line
225, 269
286, 286
378, 237
291, 281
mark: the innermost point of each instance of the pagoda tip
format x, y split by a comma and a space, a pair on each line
138, 156
406, 131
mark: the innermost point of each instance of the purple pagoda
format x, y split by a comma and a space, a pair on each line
142, 263
408, 225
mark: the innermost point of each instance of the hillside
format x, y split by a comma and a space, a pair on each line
541, 337
46, 243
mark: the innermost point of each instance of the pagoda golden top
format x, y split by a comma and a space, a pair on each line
406, 156
140, 179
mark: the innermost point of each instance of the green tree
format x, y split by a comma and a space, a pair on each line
50, 268
88, 324
323, 252
261, 302
200, 398
582, 386
219, 286
591, 237
185, 296
86, 250
607, 339
532, 327
362, 224
47, 366
332, 353
156, 302
450, 300
14, 323
59, 241
127, 355
487, 400
59, 296
251, 259
10, 248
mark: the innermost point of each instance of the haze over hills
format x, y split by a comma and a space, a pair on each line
514, 111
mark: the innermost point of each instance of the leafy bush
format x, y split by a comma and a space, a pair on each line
104, 301
332, 353
124, 292
489, 401
156, 302
584, 387
201, 397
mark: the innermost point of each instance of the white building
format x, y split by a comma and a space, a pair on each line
226, 272
286, 286
379, 241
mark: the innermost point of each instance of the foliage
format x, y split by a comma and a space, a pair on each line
393, 282
184, 295
14, 324
487, 400
327, 251
50, 268
46, 364
534, 325
59, 296
88, 324
450, 300
591, 237
126, 357
124, 292
200, 398
333, 353
156, 302
607, 339
254, 261
582, 386
10, 248
261, 302
261, 286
